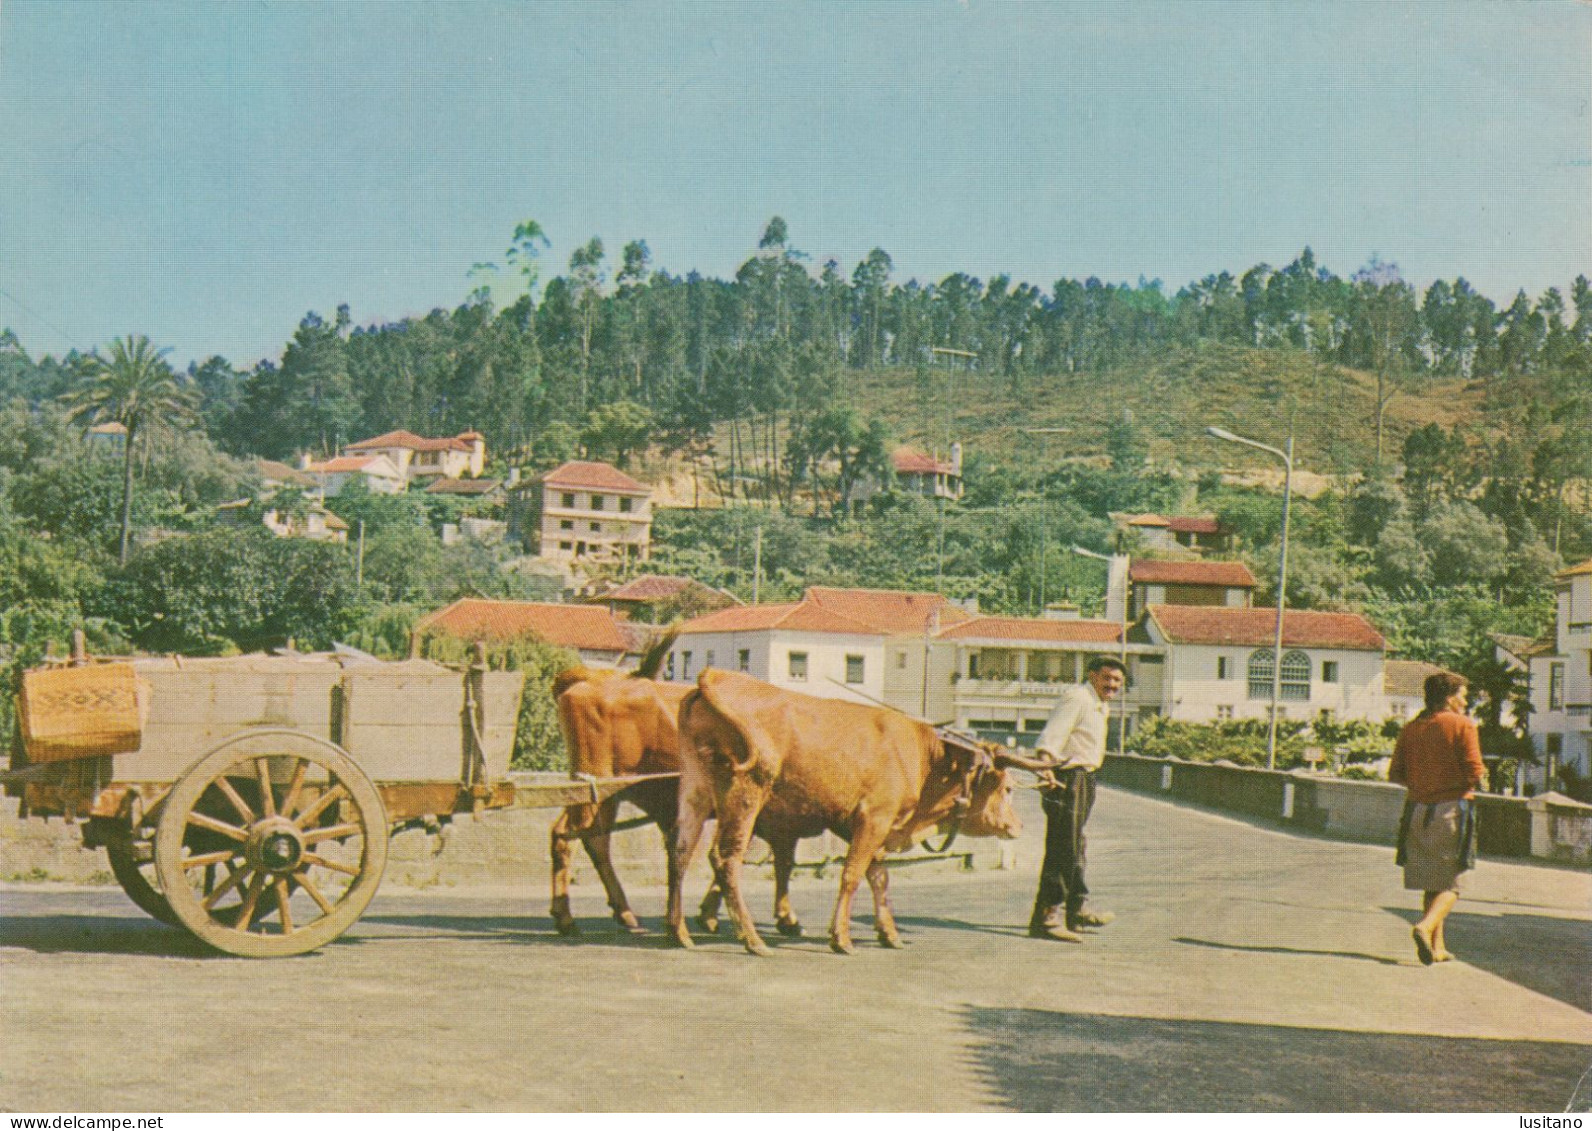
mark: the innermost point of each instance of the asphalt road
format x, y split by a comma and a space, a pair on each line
1250, 970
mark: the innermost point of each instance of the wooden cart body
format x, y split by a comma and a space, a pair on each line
216, 784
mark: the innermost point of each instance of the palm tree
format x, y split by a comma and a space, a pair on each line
133, 387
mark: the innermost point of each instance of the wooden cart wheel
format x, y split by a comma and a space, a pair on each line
133, 865
272, 844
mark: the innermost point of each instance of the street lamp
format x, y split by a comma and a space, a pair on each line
1286, 455
1122, 699
1044, 512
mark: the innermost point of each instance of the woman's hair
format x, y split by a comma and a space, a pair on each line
1439, 686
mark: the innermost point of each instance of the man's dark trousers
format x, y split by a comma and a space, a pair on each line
1061, 885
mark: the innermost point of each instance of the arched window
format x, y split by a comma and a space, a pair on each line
1295, 675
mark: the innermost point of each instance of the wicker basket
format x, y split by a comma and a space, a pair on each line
82, 712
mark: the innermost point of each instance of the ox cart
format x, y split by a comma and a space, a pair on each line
250, 799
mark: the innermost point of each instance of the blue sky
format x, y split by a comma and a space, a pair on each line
205, 173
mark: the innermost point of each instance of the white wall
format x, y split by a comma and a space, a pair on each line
770, 660
1193, 692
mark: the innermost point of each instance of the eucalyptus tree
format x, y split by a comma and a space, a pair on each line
136, 388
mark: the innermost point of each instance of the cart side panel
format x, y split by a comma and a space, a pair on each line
193, 705
405, 724
500, 694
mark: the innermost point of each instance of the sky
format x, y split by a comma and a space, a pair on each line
206, 173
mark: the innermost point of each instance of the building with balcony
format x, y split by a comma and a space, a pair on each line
585, 511
1561, 686
422, 457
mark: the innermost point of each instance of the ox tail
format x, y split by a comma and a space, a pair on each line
652, 659
752, 736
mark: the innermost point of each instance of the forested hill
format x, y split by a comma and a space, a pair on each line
613, 355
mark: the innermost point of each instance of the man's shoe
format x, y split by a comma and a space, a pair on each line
1089, 919
1053, 932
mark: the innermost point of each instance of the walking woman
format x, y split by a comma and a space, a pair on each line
1438, 761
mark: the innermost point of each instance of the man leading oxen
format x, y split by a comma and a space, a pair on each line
793, 765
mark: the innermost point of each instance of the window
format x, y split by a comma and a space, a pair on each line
1224, 712
853, 669
1329, 671
596, 502
596, 527
668, 668
563, 545
1295, 675
743, 660
901, 659
567, 524
1326, 715
685, 665
1555, 687
568, 499
798, 665
1221, 668
972, 666
625, 503
708, 662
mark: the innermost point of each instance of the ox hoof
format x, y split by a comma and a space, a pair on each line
629, 923
892, 942
566, 927
791, 929
842, 946
758, 947
709, 923
682, 937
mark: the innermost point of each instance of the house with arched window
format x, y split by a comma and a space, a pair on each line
1220, 663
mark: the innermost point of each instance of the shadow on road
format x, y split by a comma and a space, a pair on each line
99, 934
1037, 1061
1544, 953
1378, 958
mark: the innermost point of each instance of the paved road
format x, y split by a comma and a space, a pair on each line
1251, 969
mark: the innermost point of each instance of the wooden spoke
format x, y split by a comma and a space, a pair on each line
226, 885
215, 826
205, 858
210, 878
250, 902
334, 865
324, 802
236, 798
302, 879
262, 770
286, 915
290, 802
330, 832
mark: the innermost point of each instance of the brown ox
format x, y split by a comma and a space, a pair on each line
614, 726
793, 765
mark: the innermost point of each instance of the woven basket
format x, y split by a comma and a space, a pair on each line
82, 712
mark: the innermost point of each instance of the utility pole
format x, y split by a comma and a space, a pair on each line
757, 563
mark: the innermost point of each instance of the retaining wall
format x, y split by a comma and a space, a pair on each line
1549, 827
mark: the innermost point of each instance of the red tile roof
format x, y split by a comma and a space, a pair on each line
1233, 575
1407, 677
1195, 524
910, 461
1146, 520
1576, 570
344, 463
463, 486
402, 439
1036, 628
888, 610
588, 475
270, 469
801, 616
653, 587
1189, 624
588, 627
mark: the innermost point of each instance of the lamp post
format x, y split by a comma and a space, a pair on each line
1122, 700
1044, 512
1286, 455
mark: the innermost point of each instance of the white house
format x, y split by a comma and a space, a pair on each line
1202, 533
1156, 582
1561, 684
379, 474
799, 645
423, 457
1219, 663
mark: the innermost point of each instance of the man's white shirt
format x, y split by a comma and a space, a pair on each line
1075, 733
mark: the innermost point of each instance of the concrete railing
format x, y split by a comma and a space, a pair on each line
1548, 827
